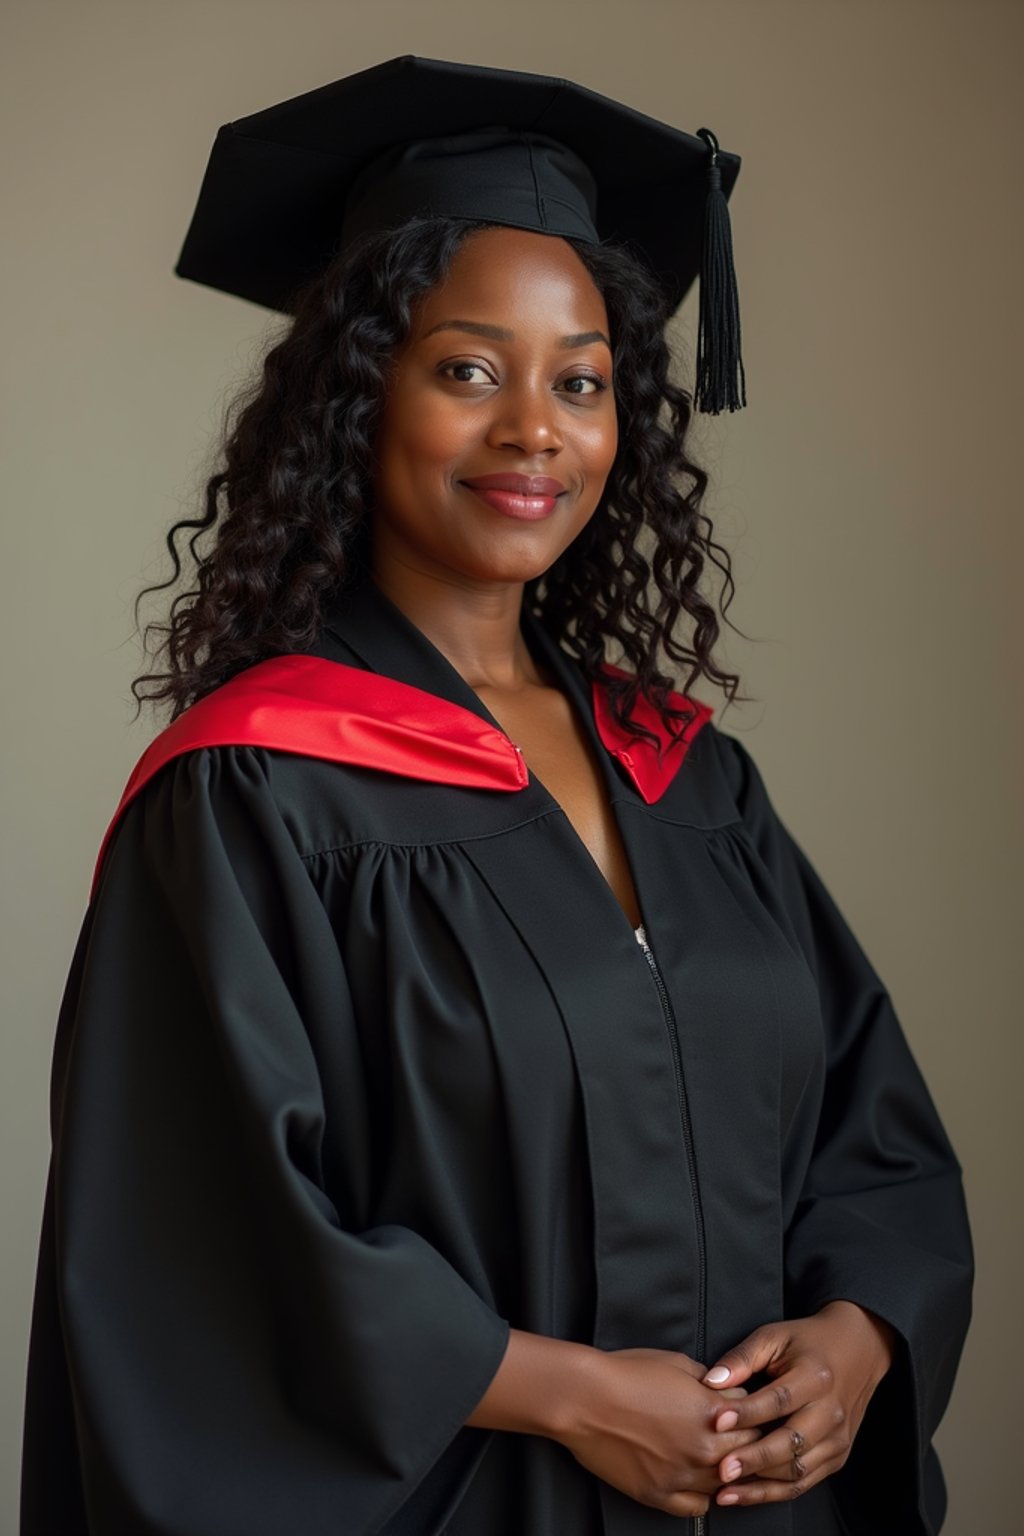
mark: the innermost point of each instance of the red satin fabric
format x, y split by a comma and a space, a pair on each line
651, 768
325, 709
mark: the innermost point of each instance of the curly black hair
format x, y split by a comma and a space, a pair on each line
287, 519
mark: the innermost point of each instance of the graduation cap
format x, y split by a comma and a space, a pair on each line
287, 189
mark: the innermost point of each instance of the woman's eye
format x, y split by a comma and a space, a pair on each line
461, 372
592, 385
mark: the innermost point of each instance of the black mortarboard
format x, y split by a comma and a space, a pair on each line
287, 188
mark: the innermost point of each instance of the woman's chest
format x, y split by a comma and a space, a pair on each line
558, 753
502, 964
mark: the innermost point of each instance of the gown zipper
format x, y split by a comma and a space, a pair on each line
699, 1522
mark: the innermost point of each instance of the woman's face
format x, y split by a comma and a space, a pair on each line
507, 372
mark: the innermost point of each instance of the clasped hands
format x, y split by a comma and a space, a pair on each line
824, 1370
648, 1430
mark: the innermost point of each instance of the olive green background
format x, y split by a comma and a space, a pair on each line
869, 495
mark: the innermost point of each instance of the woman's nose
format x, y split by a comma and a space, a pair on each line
526, 419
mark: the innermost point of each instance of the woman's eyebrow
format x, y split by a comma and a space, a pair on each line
499, 333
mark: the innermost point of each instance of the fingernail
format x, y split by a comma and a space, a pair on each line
728, 1420
720, 1373
729, 1498
733, 1468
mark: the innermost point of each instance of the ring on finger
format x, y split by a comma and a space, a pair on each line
799, 1470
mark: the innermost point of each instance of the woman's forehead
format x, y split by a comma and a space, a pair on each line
507, 273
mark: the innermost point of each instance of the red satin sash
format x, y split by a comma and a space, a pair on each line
326, 709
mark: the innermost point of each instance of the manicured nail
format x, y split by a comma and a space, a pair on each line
720, 1373
729, 1498
733, 1468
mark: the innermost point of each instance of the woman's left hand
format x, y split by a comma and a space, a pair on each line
824, 1369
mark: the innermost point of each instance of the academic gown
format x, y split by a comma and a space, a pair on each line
360, 1064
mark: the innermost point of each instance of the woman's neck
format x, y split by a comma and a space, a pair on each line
476, 627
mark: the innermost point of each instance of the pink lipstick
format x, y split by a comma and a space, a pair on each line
524, 496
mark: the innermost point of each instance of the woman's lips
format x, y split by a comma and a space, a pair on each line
528, 507
517, 496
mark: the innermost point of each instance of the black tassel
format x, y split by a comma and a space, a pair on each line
721, 384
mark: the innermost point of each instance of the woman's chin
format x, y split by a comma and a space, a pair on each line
505, 565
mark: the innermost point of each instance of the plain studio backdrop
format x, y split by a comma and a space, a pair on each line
869, 495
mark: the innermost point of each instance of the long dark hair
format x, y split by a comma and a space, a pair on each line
287, 519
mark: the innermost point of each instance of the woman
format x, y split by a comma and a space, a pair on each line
471, 1112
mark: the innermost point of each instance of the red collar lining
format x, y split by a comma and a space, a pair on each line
652, 770
329, 710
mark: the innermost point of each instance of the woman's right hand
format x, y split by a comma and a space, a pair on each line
642, 1420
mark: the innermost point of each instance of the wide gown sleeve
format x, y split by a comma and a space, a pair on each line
881, 1218
243, 1355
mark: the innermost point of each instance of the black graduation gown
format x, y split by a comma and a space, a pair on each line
354, 1072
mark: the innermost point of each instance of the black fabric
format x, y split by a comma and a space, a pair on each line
354, 1072
523, 179
272, 206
